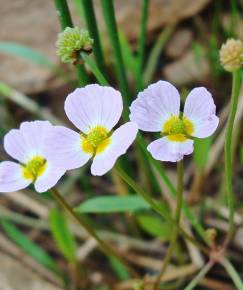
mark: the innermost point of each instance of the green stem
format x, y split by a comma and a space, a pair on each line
228, 152
109, 15
155, 206
81, 75
194, 221
89, 15
63, 13
65, 20
155, 53
95, 70
174, 234
194, 282
232, 273
141, 49
81, 221
188, 213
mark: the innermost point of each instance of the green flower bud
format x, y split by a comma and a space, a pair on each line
211, 234
231, 54
71, 42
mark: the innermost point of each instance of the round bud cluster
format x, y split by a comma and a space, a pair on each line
71, 42
231, 54
211, 234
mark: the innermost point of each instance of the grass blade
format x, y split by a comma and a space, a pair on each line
29, 247
62, 235
111, 204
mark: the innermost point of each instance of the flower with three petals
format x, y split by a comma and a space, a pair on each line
157, 109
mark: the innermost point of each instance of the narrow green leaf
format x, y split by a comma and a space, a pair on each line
62, 235
26, 53
130, 60
233, 273
155, 53
29, 247
111, 204
201, 151
119, 268
154, 226
92, 66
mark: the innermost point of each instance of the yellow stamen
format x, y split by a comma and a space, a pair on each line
96, 140
34, 168
177, 129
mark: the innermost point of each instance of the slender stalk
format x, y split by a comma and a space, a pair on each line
109, 15
141, 48
63, 13
95, 70
90, 19
174, 234
155, 206
65, 20
228, 152
81, 75
156, 52
103, 245
188, 213
194, 282
232, 273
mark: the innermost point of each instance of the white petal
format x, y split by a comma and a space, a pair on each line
94, 105
200, 109
49, 178
64, 148
205, 128
165, 150
154, 106
28, 141
11, 178
121, 140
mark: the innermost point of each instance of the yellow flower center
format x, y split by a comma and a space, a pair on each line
178, 129
34, 168
96, 140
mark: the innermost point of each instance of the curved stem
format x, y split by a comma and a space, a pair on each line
95, 70
232, 273
187, 211
199, 276
228, 152
142, 144
174, 234
155, 53
155, 206
81, 221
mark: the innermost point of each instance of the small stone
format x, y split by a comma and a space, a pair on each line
179, 43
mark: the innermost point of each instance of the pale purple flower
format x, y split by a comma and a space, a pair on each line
157, 109
33, 163
94, 110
